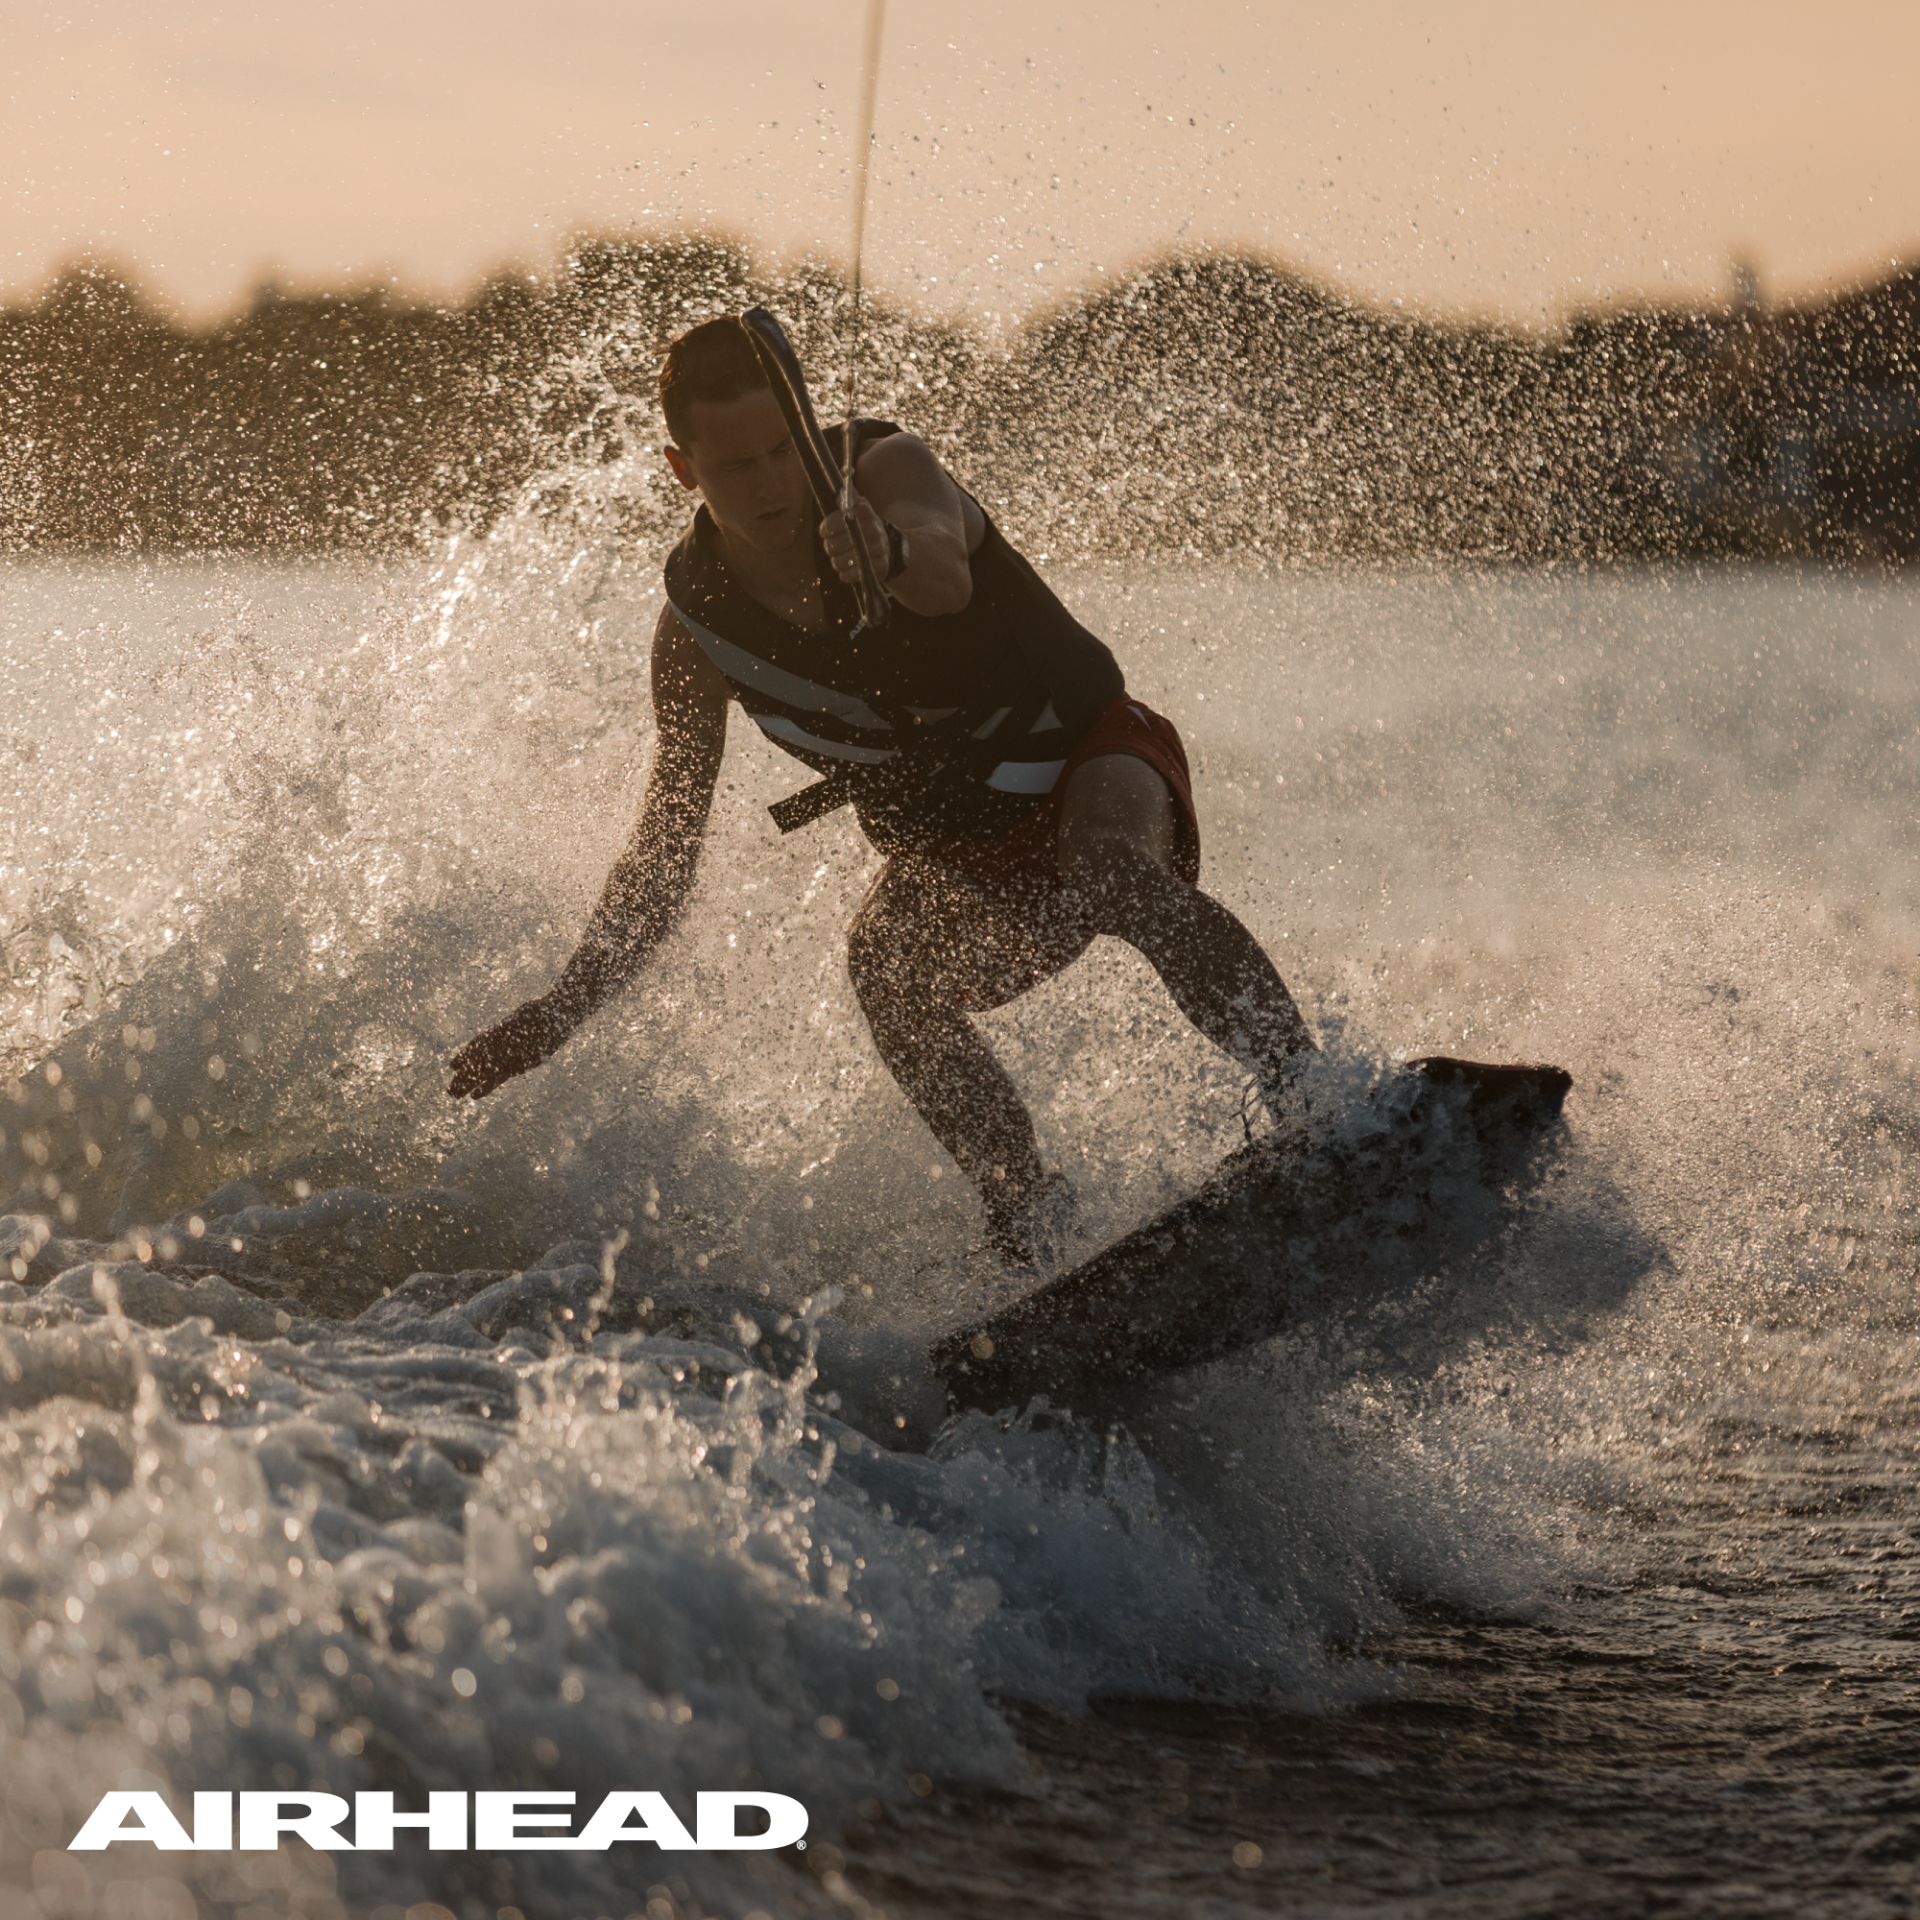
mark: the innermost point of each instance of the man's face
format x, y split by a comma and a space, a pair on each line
742, 463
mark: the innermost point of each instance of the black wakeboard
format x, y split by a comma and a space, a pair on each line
1434, 1168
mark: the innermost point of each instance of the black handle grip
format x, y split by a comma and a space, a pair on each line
789, 384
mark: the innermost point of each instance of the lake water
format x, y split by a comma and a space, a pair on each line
1584, 1582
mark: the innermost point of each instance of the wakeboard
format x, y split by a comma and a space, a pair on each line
1436, 1165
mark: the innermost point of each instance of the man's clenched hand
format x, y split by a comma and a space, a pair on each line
520, 1041
837, 538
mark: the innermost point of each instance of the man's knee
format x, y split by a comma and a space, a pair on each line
1108, 868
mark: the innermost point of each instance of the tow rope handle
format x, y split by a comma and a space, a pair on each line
782, 367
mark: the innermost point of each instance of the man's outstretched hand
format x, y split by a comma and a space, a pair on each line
520, 1041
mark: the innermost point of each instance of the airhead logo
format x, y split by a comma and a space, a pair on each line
500, 1822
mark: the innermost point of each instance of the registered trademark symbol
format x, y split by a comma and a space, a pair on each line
801, 1844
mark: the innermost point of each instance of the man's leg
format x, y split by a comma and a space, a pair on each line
925, 943
1119, 828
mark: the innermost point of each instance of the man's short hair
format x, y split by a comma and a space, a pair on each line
715, 362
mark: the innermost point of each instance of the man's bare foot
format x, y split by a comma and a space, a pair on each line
1282, 1090
1033, 1225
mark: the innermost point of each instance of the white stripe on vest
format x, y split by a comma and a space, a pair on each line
1025, 776
791, 690
776, 683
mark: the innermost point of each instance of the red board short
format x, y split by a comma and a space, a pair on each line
1021, 874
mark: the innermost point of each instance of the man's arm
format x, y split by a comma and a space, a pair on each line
649, 883
902, 483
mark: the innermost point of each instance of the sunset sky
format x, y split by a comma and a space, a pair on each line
1493, 159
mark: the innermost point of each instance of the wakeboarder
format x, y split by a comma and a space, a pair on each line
1023, 801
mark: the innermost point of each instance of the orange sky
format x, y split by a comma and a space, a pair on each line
1488, 158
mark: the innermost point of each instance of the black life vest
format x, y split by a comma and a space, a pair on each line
940, 726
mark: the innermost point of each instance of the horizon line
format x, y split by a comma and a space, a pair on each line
415, 295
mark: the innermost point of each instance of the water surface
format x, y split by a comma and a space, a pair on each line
340, 1450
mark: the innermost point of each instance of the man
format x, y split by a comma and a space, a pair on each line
1023, 802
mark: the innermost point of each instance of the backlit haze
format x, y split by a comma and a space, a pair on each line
1496, 160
